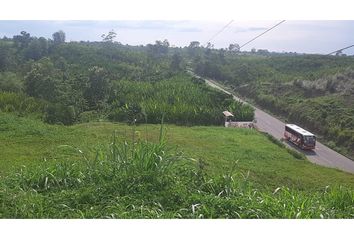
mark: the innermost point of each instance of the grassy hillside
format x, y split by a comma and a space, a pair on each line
25, 142
215, 153
313, 91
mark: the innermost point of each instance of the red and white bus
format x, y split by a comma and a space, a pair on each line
302, 138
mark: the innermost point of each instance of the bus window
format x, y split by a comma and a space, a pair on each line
309, 139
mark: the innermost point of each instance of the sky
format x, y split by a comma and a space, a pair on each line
302, 36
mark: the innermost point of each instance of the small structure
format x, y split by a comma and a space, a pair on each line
229, 123
227, 114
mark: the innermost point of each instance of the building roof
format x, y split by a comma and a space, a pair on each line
227, 114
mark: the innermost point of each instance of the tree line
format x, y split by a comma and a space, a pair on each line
79, 81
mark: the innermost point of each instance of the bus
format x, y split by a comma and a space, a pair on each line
300, 137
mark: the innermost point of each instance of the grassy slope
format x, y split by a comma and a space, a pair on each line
313, 91
24, 142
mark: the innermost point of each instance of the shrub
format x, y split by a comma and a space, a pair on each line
58, 113
21, 104
89, 116
10, 82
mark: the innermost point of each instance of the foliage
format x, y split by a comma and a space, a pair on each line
7, 53
148, 180
97, 86
181, 100
159, 49
310, 90
43, 80
21, 104
58, 113
59, 37
10, 82
120, 82
111, 35
37, 49
241, 111
25, 106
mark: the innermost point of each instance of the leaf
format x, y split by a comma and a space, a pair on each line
276, 190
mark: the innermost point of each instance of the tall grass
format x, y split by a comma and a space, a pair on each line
141, 179
180, 98
21, 104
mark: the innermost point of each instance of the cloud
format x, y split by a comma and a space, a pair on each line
250, 29
180, 26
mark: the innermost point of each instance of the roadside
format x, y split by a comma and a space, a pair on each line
322, 155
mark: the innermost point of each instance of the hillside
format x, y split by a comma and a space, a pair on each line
313, 91
38, 148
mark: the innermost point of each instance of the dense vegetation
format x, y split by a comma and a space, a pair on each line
85, 171
313, 91
81, 81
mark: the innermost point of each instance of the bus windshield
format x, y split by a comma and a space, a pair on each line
309, 139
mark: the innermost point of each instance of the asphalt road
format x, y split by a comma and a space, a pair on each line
322, 155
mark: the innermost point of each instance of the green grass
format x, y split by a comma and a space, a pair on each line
130, 177
29, 142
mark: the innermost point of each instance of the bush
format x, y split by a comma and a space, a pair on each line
21, 104
59, 114
126, 113
9, 82
89, 116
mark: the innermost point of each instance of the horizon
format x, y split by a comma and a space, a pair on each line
302, 37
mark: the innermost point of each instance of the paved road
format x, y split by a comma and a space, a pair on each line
322, 155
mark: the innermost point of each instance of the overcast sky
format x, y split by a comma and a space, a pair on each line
291, 36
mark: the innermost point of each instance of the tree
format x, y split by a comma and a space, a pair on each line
58, 37
234, 47
98, 86
209, 45
193, 48
22, 41
263, 51
194, 44
10, 82
37, 49
165, 43
109, 37
159, 49
222, 55
43, 80
339, 53
7, 56
176, 62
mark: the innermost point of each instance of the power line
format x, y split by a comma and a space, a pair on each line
262, 34
220, 31
340, 50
